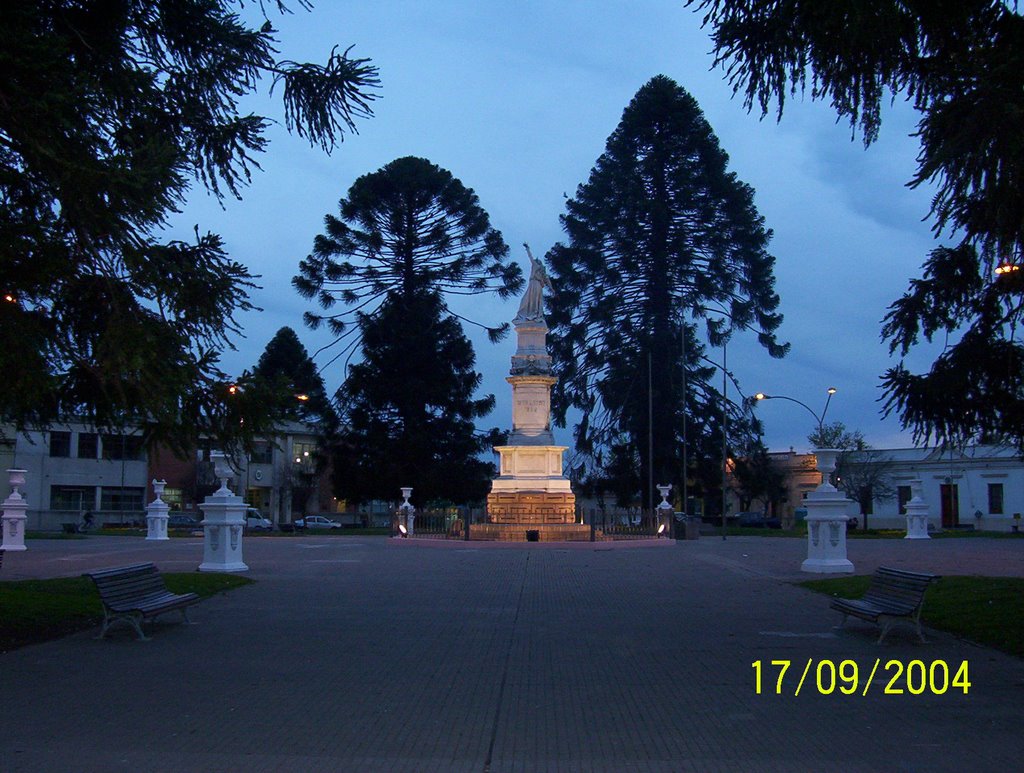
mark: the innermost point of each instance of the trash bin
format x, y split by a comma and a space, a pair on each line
533, 535
693, 527
687, 526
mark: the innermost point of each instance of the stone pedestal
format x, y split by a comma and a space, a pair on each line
223, 526
826, 522
530, 488
14, 517
664, 512
156, 514
917, 514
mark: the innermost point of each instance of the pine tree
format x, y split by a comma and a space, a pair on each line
408, 410
411, 227
961, 64
660, 236
110, 113
291, 376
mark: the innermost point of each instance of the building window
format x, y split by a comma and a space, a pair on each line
262, 453
175, 497
77, 498
60, 444
122, 447
115, 499
903, 495
88, 447
995, 498
303, 452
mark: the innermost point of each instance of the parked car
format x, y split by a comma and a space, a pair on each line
317, 522
255, 521
757, 520
182, 522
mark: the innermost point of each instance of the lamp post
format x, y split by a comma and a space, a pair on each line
820, 419
826, 506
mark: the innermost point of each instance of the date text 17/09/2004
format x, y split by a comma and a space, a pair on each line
846, 677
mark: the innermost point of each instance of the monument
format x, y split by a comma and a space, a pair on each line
530, 493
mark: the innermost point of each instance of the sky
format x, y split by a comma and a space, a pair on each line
517, 100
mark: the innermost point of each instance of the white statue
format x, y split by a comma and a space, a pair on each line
532, 306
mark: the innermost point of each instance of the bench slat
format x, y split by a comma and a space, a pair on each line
893, 593
136, 593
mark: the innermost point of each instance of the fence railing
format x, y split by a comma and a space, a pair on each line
605, 523
616, 523
447, 523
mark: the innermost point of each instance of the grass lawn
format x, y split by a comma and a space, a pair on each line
986, 610
33, 611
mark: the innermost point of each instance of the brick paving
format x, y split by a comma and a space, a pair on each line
357, 654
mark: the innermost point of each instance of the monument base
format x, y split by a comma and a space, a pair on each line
531, 507
516, 532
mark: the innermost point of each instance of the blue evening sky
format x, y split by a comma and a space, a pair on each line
517, 101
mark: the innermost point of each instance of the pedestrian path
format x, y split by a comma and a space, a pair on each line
353, 654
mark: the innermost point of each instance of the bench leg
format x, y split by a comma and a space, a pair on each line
133, 620
885, 629
842, 622
917, 622
184, 617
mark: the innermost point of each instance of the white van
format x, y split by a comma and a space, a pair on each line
255, 521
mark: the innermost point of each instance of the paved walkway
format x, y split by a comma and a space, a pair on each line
356, 654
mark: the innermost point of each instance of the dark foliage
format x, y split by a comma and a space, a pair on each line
961, 63
409, 227
286, 370
110, 112
661, 238
408, 410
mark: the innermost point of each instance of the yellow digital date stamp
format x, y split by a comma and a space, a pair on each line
846, 677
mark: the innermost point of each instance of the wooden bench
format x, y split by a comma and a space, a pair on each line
893, 594
135, 594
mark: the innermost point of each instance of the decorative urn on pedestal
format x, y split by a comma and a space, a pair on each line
14, 517
223, 524
826, 521
156, 513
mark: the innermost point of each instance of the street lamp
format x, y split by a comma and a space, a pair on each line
820, 419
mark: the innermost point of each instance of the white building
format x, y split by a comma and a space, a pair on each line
980, 486
72, 469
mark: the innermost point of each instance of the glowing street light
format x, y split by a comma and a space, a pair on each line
820, 419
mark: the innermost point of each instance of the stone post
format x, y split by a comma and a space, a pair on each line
826, 521
13, 520
917, 513
408, 511
665, 511
223, 524
156, 513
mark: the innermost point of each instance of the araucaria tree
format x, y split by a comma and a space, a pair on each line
407, 236
109, 114
961, 64
660, 238
408, 228
408, 408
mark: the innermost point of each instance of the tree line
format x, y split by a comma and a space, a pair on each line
112, 114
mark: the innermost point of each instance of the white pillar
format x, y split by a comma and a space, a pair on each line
222, 525
917, 514
156, 513
13, 520
826, 521
408, 511
665, 510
